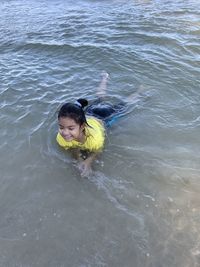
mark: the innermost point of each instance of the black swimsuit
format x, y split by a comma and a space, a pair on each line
105, 111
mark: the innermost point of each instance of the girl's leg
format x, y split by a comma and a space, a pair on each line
101, 90
135, 96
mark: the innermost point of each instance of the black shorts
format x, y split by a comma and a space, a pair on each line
106, 111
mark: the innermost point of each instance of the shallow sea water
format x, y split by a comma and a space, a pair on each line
141, 206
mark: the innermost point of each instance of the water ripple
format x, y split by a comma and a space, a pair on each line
148, 176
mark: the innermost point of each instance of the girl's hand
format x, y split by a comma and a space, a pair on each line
85, 168
85, 165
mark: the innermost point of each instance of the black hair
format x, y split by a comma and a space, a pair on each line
74, 111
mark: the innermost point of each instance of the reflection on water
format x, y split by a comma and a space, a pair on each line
141, 205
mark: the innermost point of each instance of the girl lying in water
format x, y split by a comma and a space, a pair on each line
82, 126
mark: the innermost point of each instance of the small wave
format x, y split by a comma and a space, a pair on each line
114, 188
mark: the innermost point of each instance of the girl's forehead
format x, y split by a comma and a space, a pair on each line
67, 121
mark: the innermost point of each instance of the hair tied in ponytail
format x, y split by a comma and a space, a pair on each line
82, 102
78, 103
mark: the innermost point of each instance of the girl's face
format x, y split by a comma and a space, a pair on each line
70, 130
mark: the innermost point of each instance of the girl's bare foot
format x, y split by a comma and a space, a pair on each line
104, 75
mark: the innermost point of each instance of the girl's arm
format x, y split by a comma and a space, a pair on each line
75, 152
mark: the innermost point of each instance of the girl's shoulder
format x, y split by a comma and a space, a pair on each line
95, 133
94, 122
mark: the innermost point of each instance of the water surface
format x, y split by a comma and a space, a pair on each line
141, 205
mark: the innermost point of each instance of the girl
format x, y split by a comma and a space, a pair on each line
85, 135
80, 133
